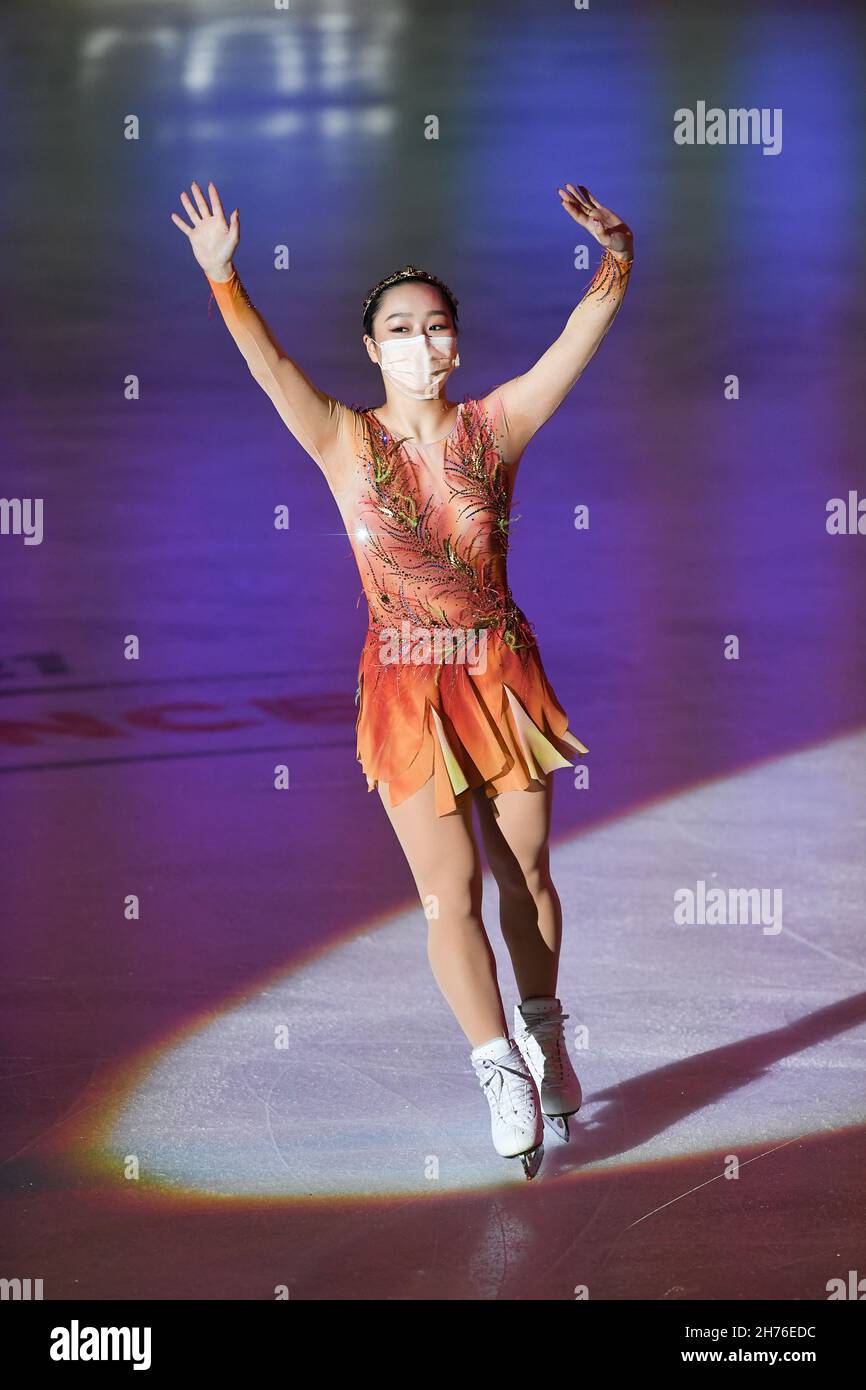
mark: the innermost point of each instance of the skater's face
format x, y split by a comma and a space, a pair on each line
407, 311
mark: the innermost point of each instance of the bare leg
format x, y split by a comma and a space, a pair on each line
445, 863
516, 840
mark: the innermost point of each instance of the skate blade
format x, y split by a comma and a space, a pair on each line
559, 1125
531, 1161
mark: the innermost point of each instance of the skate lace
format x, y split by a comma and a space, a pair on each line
545, 1030
512, 1082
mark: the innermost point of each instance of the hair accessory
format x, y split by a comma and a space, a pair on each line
409, 272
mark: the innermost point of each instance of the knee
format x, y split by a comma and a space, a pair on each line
538, 880
510, 878
454, 901
528, 873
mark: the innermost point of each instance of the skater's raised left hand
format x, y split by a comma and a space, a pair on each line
609, 230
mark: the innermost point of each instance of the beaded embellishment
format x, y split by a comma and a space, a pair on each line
610, 276
428, 568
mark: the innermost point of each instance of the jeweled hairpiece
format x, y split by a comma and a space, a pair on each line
409, 272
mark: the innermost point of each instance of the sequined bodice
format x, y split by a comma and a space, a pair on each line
429, 529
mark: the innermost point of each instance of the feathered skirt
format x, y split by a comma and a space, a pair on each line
495, 724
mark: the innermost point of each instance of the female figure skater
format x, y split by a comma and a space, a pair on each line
455, 706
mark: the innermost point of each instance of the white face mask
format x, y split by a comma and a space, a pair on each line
413, 365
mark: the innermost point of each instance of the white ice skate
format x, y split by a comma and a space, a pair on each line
540, 1035
515, 1114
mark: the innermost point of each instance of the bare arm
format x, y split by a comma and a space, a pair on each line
522, 405
315, 419
318, 421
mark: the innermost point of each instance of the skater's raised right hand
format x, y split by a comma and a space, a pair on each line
213, 239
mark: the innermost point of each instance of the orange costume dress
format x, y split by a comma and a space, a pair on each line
450, 682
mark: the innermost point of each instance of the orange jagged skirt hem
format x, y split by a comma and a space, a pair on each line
501, 730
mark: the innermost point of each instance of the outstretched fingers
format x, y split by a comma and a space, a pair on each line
201, 201
585, 209
584, 205
215, 202
587, 196
179, 222
575, 208
191, 213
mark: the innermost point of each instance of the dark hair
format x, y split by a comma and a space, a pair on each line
413, 276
